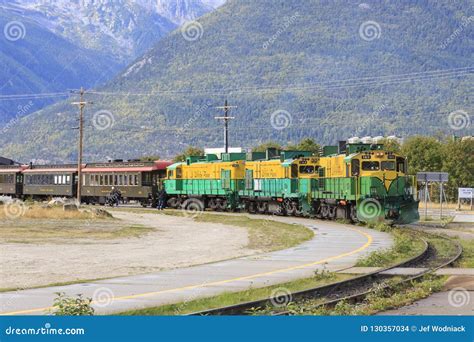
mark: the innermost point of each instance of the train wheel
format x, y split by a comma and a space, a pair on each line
250, 207
324, 211
262, 207
221, 204
212, 204
193, 205
353, 213
173, 203
292, 208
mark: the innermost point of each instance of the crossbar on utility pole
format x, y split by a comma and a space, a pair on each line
226, 118
81, 105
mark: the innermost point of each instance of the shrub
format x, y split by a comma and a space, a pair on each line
72, 306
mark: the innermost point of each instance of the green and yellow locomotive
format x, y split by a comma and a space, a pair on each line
360, 182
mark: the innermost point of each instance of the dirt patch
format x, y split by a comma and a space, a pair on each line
466, 282
102, 252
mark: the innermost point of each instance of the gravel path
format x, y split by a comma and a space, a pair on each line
175, 242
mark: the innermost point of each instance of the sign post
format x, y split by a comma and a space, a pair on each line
465, 193
433, 177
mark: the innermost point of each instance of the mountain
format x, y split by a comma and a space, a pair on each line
123, 29
322, 69
66, 44
35, 60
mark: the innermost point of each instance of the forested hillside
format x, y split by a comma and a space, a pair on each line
52, 46
294, 69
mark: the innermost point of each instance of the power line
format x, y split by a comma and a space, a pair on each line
332, 84
335, 84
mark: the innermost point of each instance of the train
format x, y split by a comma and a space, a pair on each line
349, 181
136, 180
356, 181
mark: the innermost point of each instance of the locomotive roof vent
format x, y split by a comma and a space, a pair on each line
354, 140
378, 139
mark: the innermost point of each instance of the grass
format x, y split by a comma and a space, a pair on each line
433, 205
467, 258
41, 231
64, 283
33, 223
430, 220
265, 235
397, 295
19, 211
230, 298
444, 247
406, 246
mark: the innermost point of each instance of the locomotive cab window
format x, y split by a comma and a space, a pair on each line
355, 167
294, 171
370, 166
401, 165
387, 166
306, 169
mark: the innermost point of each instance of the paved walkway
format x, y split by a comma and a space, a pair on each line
464, 218
334, 247
456, 299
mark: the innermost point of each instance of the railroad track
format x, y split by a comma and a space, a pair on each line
353, 289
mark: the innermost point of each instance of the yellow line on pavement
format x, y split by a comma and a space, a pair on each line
258, 275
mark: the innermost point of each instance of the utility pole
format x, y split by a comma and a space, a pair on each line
226, 118
81, 105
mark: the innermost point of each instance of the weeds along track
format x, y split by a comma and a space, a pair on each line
432, 257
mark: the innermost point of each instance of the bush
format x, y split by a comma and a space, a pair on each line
72, 306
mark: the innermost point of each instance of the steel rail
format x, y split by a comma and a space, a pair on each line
356, 297
317, 292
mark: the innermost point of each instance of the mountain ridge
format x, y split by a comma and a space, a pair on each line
105, 35
243, 51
